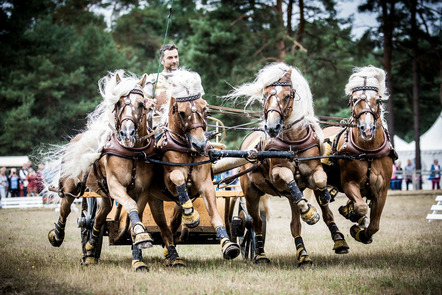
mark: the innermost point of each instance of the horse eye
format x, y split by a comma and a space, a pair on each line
140, 105
182, 114
286, 97
119, 104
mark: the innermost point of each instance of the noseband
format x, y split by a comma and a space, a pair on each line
185, 127
283, 112
127, 103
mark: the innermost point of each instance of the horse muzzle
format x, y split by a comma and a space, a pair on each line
367, 131
127, 133
197, 145
273, 126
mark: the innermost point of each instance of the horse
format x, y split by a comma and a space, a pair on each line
366, 140
289, 124
107, 158
183, 145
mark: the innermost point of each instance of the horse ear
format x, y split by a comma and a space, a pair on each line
142, 82
117, 78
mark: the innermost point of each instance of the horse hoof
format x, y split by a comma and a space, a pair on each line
89, 260
230, 250
53, 239
139, 266
304, 262
143, 241
311, 216
261, 259
359, 234
192, 220
341, 247
176, 263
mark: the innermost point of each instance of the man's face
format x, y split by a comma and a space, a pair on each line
170, 60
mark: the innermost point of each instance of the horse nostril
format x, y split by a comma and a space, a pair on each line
278, 127
121, 133
132, 132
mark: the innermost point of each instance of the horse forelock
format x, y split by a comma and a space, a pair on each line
184, 83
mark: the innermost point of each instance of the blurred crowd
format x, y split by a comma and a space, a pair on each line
28, 181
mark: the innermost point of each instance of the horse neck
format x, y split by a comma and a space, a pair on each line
377, 141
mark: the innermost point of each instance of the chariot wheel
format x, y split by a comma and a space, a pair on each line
242, 230
85, 222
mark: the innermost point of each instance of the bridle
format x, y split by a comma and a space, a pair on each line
353, 102
184, 126
128, 103
284, 112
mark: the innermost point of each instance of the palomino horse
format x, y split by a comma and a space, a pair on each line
115, 173
367, 140
184, 141
290, 125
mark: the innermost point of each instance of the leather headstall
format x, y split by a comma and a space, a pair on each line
283, 112
128, 103
354, 101
185, 127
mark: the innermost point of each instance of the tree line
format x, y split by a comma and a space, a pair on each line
54, 52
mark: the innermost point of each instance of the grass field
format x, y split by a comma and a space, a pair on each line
404, 258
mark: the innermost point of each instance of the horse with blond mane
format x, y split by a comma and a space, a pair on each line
108, 158
366, 139
183, 146
290, 125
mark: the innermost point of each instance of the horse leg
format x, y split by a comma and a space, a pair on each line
308, 212
356, 209
140, 237
191, 217
170, 253
295, 227
320, 183
340, 245
364, 235
137, 260
56, 235
230, 250
100, 219
253, 196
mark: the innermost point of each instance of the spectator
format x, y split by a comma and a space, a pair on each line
393, 178
435, 175
32, 182
23, 177
14, 181
409, 170
3, 185
399, 177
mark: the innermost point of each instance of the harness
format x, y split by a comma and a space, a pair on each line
351, 148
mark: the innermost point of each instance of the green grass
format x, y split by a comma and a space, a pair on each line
404, 258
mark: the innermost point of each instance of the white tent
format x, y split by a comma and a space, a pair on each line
430, 145
13, 161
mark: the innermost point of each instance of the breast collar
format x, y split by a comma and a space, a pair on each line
306, 143
350, 147
115, 148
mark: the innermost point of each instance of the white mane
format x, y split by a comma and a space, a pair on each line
183, 83
375, 77
303, 104
74, 159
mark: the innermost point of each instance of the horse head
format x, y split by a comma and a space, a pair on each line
365, 110
188, 110
130, 114
366, 88
277, 104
